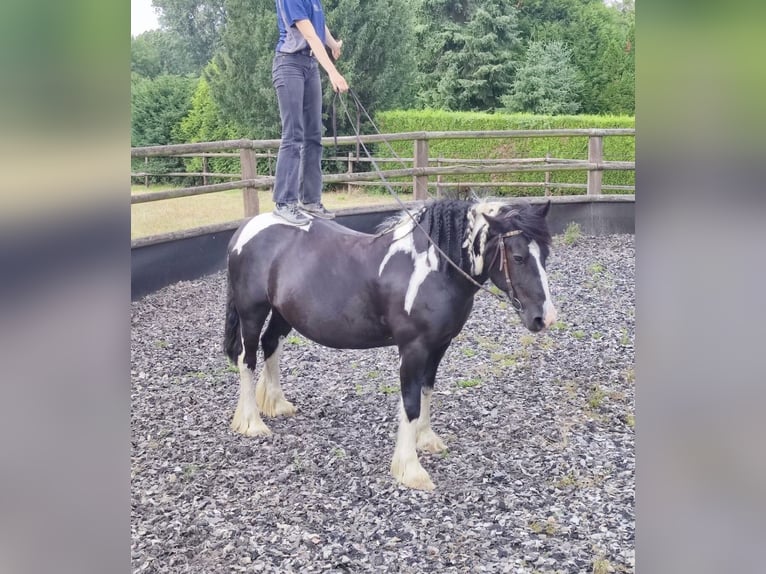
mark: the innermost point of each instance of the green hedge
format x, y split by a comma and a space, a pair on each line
616, 148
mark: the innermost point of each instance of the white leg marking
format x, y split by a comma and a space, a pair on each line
427, 439
246, 419
405, 465
268, 392
549, 311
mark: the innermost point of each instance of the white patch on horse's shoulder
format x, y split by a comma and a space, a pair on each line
425, 263
402, 241
258, 224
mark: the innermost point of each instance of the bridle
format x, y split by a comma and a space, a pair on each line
505, 266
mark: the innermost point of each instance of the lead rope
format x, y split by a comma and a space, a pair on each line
404, 207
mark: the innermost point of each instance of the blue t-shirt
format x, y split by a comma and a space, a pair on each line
288, 13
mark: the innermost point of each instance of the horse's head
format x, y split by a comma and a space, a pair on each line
517, 246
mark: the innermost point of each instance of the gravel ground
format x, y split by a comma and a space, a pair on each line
539, 476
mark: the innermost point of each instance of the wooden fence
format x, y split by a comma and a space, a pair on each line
423, 166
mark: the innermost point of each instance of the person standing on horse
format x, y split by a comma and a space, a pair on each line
303, 36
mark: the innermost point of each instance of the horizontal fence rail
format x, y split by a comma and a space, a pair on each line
417, 168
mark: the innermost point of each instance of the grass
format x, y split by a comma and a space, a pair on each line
565, 481
572, 233
190, 470
389, 389
182, 213
296, 340
487, 343
601, 565
504, 359
596, 397
578, 335
546, 343
468, 383
596, 269
548, 526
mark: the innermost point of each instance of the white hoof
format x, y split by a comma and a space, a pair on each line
272, 404
429, 441
248, 426
411, 475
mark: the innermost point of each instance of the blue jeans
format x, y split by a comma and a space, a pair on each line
299, 162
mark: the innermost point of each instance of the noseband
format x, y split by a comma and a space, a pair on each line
505, 267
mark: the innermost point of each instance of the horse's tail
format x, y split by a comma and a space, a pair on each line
232, 341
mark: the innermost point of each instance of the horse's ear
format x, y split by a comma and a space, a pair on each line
542, 209
495, 224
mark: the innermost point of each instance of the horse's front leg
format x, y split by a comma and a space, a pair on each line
427, 439
405, 465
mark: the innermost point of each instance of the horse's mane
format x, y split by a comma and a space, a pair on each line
446, 222
459, 229
531, 223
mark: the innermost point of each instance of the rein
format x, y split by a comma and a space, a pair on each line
504, 264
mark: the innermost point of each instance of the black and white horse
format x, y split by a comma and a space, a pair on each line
351, 290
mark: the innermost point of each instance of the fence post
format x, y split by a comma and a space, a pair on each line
547, 177
350, 169
439, 189
420, 182
204, 170
249, 194
595, 155
146, 168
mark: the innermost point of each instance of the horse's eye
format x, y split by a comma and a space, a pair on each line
518, 259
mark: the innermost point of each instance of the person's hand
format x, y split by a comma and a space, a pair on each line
335, 48
338, 83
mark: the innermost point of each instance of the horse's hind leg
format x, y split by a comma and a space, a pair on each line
268, 392
247, 420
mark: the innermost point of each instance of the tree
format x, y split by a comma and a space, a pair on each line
602, 51
157, 107
158, 52
468, 52
547, 82
205, 123
377, 60
198, 24
240, 79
